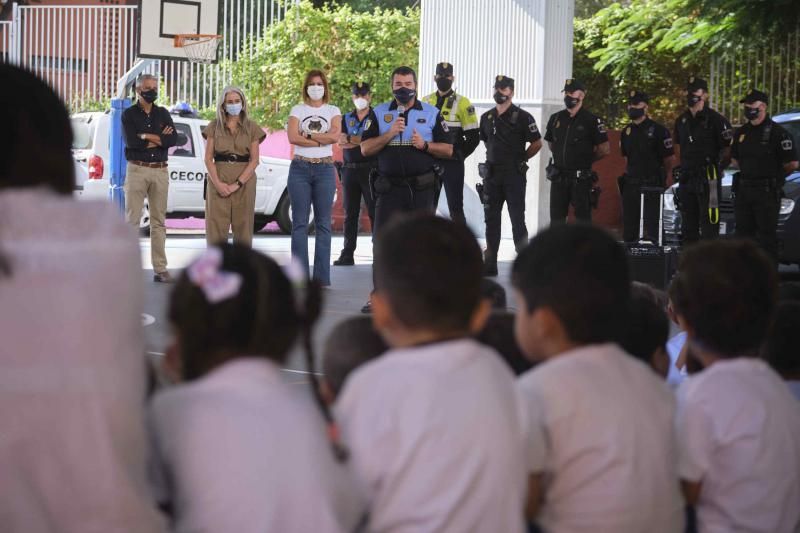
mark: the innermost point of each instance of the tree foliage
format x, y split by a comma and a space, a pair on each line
347, 45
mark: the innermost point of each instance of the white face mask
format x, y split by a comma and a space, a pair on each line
361, 103
233, 109
316, 92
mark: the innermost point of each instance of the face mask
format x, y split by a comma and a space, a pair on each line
360, 103
635, 113
315, 92
571, 102
444, 84
500, 98
149, 96
692, 100
404, 95
751, 113
233, 109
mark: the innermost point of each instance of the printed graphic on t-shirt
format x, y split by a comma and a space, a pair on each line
314, 124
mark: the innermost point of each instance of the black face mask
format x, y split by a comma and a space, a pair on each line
403, 95
692, 100
149, 96
751, 113
635, 113
444, 84
500, 98
571, 102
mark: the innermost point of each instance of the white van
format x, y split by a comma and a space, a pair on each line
187, 171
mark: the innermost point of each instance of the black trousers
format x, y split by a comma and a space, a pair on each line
355, 186
453, 181
569, 190
756, 213
631, 211
506, 185
693, 194
401, 199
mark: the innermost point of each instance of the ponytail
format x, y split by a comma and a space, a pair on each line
312, 309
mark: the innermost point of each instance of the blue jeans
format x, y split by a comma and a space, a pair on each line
312, 184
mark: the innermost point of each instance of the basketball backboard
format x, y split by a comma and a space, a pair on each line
161, 20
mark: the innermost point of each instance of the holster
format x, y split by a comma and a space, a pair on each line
485, 171
551, 172
373, 176
480, 188
737, 176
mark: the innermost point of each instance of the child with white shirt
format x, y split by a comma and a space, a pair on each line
738, 426
352, 343
600, 454
433, 425
237, 448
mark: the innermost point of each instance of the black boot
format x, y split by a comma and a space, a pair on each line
344, 260
489, 264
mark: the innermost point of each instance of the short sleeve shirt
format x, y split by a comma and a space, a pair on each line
237, 143
315, 120
762, 153
645, 146
574, 138
506, 135
702, 137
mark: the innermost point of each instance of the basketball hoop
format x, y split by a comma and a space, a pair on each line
199, 48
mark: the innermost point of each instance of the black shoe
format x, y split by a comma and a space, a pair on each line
344, 260
367, 309
490, 270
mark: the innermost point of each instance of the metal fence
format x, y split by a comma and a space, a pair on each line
81, 51
773, 68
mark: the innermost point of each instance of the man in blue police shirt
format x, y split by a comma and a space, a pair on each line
355, 170
407, 136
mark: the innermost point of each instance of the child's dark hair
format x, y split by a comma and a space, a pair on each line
726, 291
352, 343
495, 293
430, 270
780, 350
581, 273
498, 333
259, 317
648, 324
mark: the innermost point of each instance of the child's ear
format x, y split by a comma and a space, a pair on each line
172, 364
480, 315
382, 316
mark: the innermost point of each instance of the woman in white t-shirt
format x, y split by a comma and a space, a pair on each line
314, 126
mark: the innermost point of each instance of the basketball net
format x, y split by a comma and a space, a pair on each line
199, 48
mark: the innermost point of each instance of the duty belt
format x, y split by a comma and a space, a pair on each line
577, 174
402, 181
364, 164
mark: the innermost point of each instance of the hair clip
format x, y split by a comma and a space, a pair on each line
216, 284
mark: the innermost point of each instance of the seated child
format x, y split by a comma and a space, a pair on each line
352, 343
648, 329
781, 350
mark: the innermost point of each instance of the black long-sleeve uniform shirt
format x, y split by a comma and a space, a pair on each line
135, 122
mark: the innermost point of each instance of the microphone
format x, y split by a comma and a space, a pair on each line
401, 109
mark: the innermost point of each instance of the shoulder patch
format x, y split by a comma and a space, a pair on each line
668, 143
444, 126
388, 117
786, 144
741, 137
532, 127
727, 134
601, 128
558, 124
471, 110
628, 130
352, 122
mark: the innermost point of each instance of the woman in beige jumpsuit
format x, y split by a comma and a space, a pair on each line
231, 159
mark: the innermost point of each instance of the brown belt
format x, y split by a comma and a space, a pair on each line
155, 164
314, 160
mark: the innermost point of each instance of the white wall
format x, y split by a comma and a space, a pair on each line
528, 40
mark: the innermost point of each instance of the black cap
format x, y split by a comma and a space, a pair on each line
695, 84
444, 69
637, 97
360, 87
572, 84
502, 82
755, 96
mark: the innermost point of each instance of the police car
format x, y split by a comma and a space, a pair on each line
788, 216
187, 171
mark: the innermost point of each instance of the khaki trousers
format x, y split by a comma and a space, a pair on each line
153, 184
236, 212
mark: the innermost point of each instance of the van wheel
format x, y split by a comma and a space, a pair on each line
144, 221
283, 216
259, 222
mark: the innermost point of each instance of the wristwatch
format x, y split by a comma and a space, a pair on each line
239, 183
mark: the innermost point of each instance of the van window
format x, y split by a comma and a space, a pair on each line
83, 128
184, 150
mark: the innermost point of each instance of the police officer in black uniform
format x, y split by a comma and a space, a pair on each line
577, 138
355, 170
705, 140
506, 129
765, 154
648, 151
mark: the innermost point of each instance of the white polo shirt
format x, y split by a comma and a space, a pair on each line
436, 440
609, 460
739, 433
240, 450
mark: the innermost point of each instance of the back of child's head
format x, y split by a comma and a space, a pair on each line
352, 343
498, 333
495, 293
726, 292
648, 325
781, 350
430, 271
580, 273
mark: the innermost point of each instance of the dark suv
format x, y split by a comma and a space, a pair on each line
788, 217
